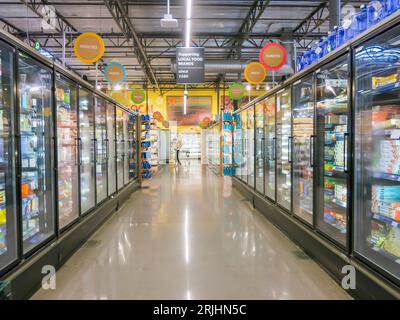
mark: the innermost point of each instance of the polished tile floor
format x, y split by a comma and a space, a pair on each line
189, 235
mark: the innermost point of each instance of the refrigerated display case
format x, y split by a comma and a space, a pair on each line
8, 219
101, 149
126, 147
303, 148
284, 147
377, 152
132, 147
237, 148
259, 146
250, 144
245, 146
87, 150
67, 151
36, 145
120, 147
270, 146
111, 139
332, 149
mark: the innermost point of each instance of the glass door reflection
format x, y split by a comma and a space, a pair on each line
332, 149
87, 150
101, 149
35, 102
259, 146
8, 208
250, 143
303, 148
67, 148
270, 147
284, 148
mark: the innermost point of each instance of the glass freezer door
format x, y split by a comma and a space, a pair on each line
35, 108
237, 145
260, 142
250, 143
377, 152
120, 145
270, 147
8, 219
67, 151
284, 147
86, 150
332, 150
126, 148
303, 148
101, 149
111, 160
245, 146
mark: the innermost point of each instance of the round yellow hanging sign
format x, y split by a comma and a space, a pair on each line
255, 72
89, 47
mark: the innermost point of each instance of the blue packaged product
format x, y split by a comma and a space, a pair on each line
390, 7
375, 12
361, 18
340, 37
331, 40
300, 64
321, 48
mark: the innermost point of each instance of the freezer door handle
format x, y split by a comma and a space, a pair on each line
95, 150
274, 148
76, 151
345, 148
312, 151
80, 150
290, 141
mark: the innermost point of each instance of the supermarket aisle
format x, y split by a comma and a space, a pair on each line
189, 235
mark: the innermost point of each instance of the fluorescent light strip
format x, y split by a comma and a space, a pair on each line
188, 21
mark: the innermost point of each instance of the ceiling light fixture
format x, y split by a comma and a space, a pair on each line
117, 87
248, 87
168, 21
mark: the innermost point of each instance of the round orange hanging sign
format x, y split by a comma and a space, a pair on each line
89, 47
273, 56
255, 72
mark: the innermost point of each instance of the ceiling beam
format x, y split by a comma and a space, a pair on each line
119, 11
39, 7
257, 9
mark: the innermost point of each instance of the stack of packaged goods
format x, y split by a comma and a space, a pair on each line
154, 144
132, 146
237, 144
227, 128
354, 24
145, 150
3, 220
385, 191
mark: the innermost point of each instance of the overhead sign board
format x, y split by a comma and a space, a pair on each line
236, 91
115, 72
89, 47
138, 96
255, 73
189, 65
273, 56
